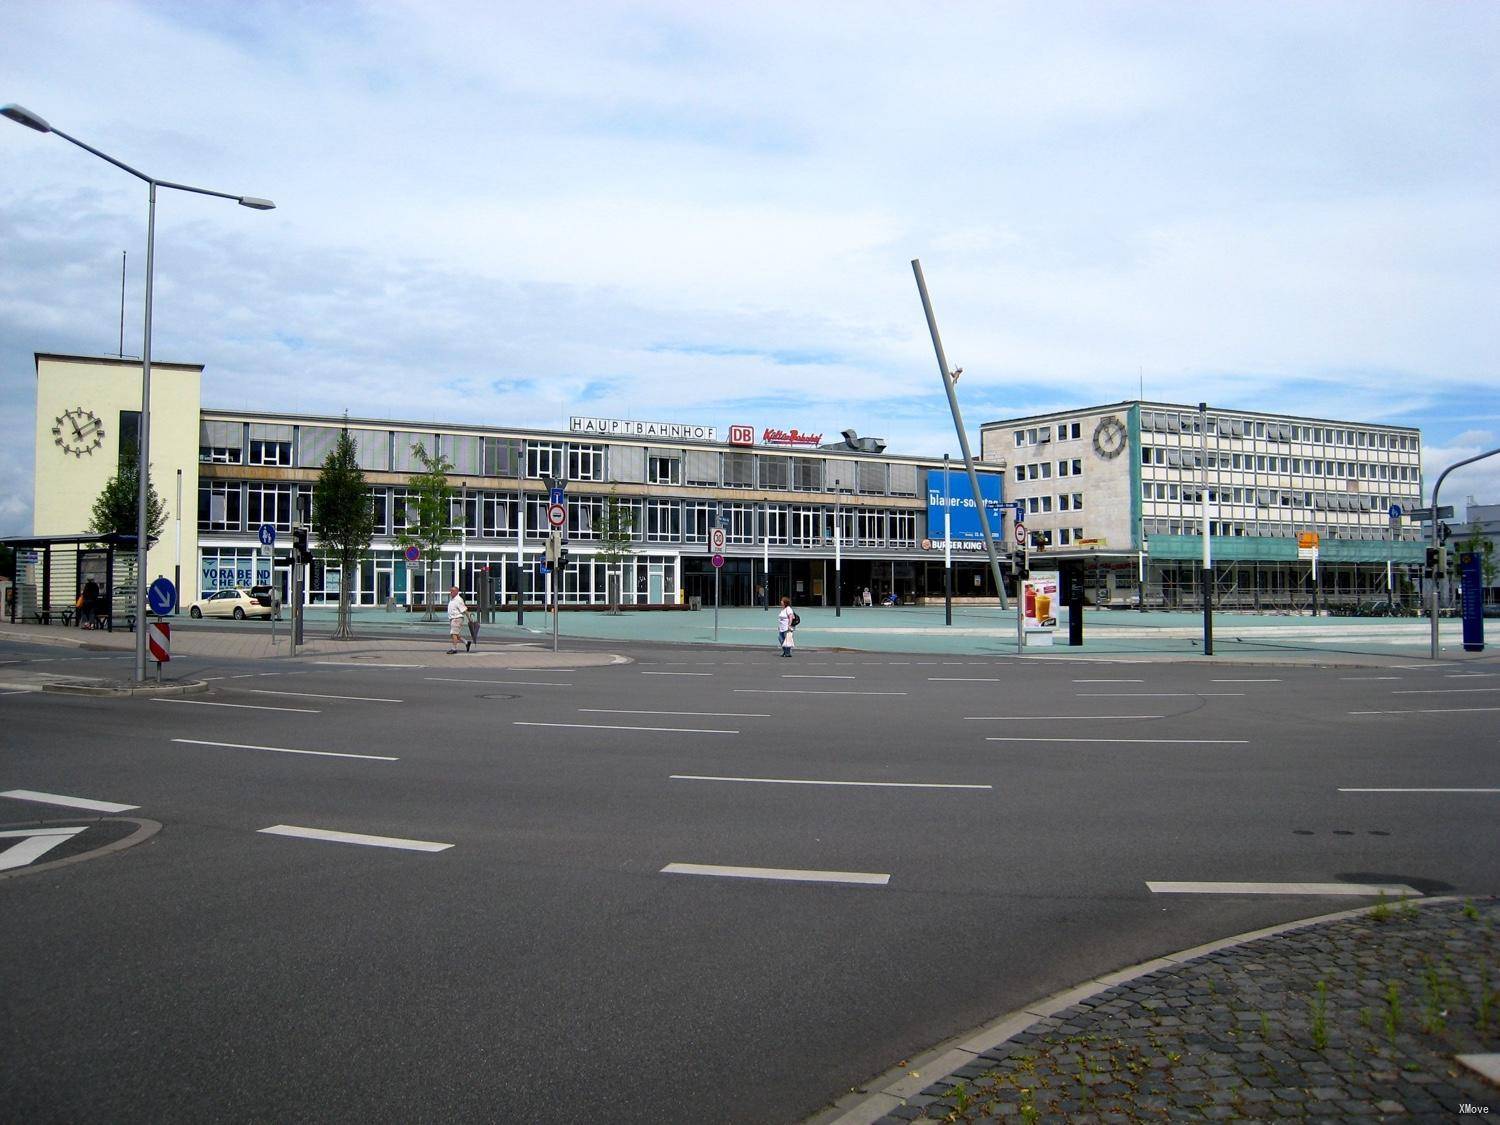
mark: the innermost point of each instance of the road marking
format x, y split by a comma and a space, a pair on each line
241, 706
1442, 690
514, 683
700, 714
364, 664
1159, 694
315, 695
677, 673
355, 838
1244, 681
1351, 678
1469, 675
21, 691
285, 750
808, 691
607, 726
65, 801
786, 874
815, 676
1283, 889
799, 781
213, 677
963, 679
1026, 718
1382, 791
1109, 681
1428, 711
35, 842
1147, 741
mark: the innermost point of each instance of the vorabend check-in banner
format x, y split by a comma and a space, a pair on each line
961, 507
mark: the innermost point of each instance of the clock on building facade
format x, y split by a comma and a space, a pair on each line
1110, 437
78, 431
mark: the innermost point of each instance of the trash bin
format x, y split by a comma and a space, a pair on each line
695, 602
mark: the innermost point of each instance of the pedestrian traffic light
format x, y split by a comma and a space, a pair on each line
299, 545
1444, 531
1432, 559
562, 557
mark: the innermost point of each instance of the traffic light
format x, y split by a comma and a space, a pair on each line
1432, 560
1444, 531
562, 557
300, 550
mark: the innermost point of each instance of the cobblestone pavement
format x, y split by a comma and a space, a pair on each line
1352, 1020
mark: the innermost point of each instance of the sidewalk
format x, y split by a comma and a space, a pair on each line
1385, 1013
990, 631
252, 640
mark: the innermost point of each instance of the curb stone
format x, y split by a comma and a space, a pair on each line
903, 1092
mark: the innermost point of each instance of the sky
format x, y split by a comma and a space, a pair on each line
512, 213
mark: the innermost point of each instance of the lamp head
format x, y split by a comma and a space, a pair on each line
256, 204
23, 116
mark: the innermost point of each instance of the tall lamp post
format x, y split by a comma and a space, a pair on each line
1208, 565
23, 116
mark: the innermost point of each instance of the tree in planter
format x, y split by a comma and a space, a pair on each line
615, 527
429, 514
342, 519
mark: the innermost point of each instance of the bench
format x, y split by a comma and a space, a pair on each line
45, 616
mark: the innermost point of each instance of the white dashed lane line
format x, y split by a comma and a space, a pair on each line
867, 878
66, 801
1143, 741
806, 781
240, 706
285, 750
333, 837
1224, 888
1433, 790
687, 714
609, 726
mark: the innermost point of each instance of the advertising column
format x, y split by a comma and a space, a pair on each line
1039, 600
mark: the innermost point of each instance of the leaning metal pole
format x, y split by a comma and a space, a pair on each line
963, 438
1432, 596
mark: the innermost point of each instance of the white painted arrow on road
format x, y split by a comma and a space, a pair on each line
34, 843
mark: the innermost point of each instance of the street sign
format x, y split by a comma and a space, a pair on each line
1308, 541
1020, 532
267, 535
555, 495
716, 540
412, 553
162, 597
717, 560
557, 515
159, 641
1394, 512
543, 567
1426, 515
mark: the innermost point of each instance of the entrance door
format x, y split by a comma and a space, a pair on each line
656, 592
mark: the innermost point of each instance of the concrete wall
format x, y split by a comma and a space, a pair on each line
68, 483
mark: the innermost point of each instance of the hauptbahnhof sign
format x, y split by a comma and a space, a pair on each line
622, 427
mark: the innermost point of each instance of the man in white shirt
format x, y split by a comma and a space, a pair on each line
458, 614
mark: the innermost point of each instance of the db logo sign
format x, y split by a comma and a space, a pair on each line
741, 435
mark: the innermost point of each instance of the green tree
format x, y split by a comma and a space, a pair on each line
429, 515
117, 505
615, 527
343, 520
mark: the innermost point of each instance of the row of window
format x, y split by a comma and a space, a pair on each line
1042, 470
572, 461
1296, 466
1191, 423
1255, 530
242, 506
1369, 505
1040, 435
1066, 502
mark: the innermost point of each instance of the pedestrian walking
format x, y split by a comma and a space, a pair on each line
458, 614
786, 627
89, 605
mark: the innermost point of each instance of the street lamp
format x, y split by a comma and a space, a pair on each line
23, 116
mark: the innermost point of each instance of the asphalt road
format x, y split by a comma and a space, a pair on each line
544, 967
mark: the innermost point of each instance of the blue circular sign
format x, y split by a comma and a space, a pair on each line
1395, 512
267, 535
161, 596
